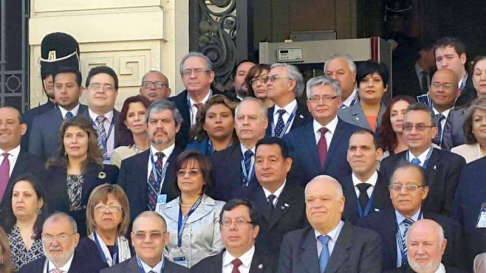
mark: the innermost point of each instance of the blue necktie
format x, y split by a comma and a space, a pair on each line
280, 123
438, 137
416, 161
248, 155
407, 222
102, 141
324, 257
68, 115
154, 182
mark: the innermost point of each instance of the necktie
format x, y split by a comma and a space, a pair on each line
154, 181
324, 257
56, 270
407, 222
416, 161
247, 159
425, 79
4, 174
68, 115
236, 264
280, 123
438, 137
322, 146
363, 194
271, 198
101, 134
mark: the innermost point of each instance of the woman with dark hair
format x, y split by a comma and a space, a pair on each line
479, 75
6, 265
214, 128
372, 78
256, 80
193, 217
73, 175
24, 219
390, 132
132, 129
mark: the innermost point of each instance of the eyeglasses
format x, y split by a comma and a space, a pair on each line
408, 187
447, 86
97, 87
153, 236
419, 127
197, 72
148, 84
111, 209
191, 173
240, 222
62, 238
325, 98
262, 79
273, 78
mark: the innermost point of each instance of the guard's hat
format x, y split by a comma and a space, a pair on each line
58, 50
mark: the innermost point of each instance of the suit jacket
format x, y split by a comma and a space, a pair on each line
407, 269
381, 198
354, 115
131, 266
214, 264
227, 174
302, 116
470, 152
442, 175
453, 134
29, 119
133, 179
116, 117
57, 191
356, 250
80, 264
44, 141
470, 196
384, 223
468, 94
303, 151
289, 214
405, 80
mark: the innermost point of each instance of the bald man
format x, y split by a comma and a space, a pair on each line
329, 245
155, 86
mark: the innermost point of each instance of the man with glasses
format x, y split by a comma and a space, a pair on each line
341, 68
408, 189
59, 238
442, 168
102, 90
155, 86
149, 237
320, 146
285, 85
239, 227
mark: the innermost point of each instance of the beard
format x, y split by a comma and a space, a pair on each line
428, 268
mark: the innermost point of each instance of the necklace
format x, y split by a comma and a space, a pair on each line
186, 206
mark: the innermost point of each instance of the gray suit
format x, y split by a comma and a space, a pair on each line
201, 236
453, 135
355, 115
131, 266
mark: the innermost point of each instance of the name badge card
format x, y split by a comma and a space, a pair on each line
482, 217
161, 199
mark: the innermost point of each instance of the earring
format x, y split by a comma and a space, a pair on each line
128, 128
39, 212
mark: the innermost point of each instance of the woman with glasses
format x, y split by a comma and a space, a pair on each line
6, 265
193, 217
256, 81
214, 129
107, 220
77, 171
24, 219
132, 129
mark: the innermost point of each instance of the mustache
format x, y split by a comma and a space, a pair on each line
160, 131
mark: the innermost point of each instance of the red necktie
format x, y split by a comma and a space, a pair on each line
236, 263
4, 174
322, 146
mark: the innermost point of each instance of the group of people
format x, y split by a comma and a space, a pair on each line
267, 179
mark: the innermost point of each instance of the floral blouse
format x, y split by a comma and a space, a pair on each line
20, 254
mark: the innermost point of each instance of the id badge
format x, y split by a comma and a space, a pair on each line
482, 217
423, 99
161, 199
181, 261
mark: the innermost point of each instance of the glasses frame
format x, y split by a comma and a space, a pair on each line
418, 127
149, 234
62, 238
149, 84
400, 187
197, 72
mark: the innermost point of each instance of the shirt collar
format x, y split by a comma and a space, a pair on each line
350, 99
331, 126
245, 258
460, 83
445, 113
289, 108
93, 115
167, 151
334, 234
244, 149
14, 152
203, 100
65, 267
441, 269
422, 156
372, 180
157, 268
400, 217
74, 111
277, 192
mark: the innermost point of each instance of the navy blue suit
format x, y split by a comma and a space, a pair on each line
214, 264
29, 119
116, 116
80, 264
302, 116
303, 151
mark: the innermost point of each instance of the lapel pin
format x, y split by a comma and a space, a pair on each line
260, 266
287, 205
282, 207
357, 118
377, 209
301, 116
435, 167
102, 175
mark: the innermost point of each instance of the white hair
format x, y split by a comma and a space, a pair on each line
327, 179
294, 74
351, 64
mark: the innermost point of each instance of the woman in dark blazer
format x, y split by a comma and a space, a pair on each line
77, 171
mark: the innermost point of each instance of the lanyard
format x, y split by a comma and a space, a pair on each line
246, 176
140, 266
287, 124
160, 180
102, 254
210, 150
183, 219
368, 206
427, 157
399, 236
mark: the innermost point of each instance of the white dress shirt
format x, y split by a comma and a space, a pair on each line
334, 234
194, 109
441, 269
422, 157
401, 226
245, 259
64, 268
289, 108
372, 181
110, 143
350, 99
157, 268
12, 158
443, 121
243, 150
74, 111
331, 129
276, 193
167, 152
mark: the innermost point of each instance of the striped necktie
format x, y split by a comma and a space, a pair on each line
154, 182
100, 128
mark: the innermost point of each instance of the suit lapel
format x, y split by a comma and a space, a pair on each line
380, 194
206, 206
300, 116
133, 265
270, 120
432, 167
143, 165
310, 143
257, 263
358, 116
284, 204
309, 252
336, 139
351, 198
261, 203
20, 167
341, 249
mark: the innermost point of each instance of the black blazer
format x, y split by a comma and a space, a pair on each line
133, 179
453, 134
384, 223
303, 151
214, 264
442, 173
227, 174
357, 250
56, 190
381, 198
302, 116
407, 269
406, 82
44, 140
289, 214
132, 266
116, 117
468, 94
80, 264
29, 119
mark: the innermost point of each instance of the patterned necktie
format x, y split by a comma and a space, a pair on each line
438, 137
280, 123
4, 174
363, 194
154, 181
425, 83
102, 141
56, 270
236, 264
407, 222
322, 146
324, 257
68, 115
416, 161
271, 198
247, 159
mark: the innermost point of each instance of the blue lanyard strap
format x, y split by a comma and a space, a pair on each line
160, 180
140, 266
368, 206
287, 124
427, 157
399, 235
183, 219
246, 176
103, 257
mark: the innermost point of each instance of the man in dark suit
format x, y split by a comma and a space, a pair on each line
320, 147
240, 85
279, 203
342, 69
148, 177
365, 189
329, 245
239, 227
197, 75
442, 168
155, 86
102, 90
233, 167
408, 189
285, 85
59, 238
44, 141
149, 253
13, 160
